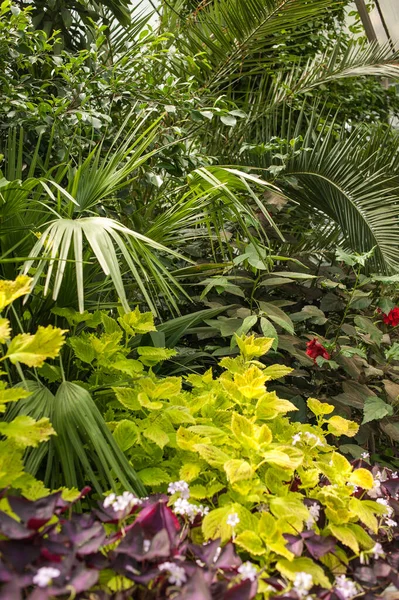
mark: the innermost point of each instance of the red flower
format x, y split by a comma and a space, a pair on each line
315, 349
392, 318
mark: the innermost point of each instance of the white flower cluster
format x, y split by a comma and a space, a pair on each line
387, 520
247, 571
181, 487
365, 455
177, 575
185, 508
302, 584
346, 587
314, 514
310, 437
121, 503
45, 575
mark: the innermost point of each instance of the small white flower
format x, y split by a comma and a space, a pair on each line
365, 455
181, 487
377, 551
394, 475
177, 575
146, 546
302, 583
296, 438
314, 514
233, 520
109, 500
313, 437
346, 587
385, 503
125, 502
248, 571
184, 508
391, 523
375, 491
45, 575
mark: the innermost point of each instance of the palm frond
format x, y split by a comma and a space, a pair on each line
109, 242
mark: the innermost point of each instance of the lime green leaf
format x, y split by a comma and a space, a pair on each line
11, 395
5, 330
252, 347
190, 471
153, 476
212, 455
25, 431
151, 356
136, 322
290, 569
339, 426
237, 470
277, 371
127, 397
319, 408
11, 290
375, 409
83, 348
362, 478
130, 366
126, 434
32, 350
157, 435
345, 536
251, 542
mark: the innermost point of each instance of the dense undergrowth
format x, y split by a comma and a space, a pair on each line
199, 367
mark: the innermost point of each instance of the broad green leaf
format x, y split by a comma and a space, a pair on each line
154, 476
345, 536
83, 348
366, 325
151, 356
251, 542
11, 395
278, 316
137, 323
129, 366
290, 569
238, 470
157, 435
339, 426
25, 431
126, 434
190, 471
269, 331
362, 478
364, 513
212, 455
32, 350
319, 408
375, 409
252, 347
277, 371
127, 397
11, 290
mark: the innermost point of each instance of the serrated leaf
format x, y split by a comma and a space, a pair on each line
251, 542
339, 426
238, 470
32, 350
157, 435
212, 455
154, 476
364, 513
303, 565
11, 290
127, 397
319, 408
26, 432
190, 471
151, 356
83, 348
129, 366
345, 536
375, 409
277, 371
135, 322
126, 434
11, 395
5, 330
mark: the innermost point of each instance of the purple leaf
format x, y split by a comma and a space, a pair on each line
196, 588
158, 516
243, 591
19, 553
12, 529
35, 513
133, 544
319, 545
294, 544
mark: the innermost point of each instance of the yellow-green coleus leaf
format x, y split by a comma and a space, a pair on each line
32, 350
251, 347
251, 383
319, 408
362, 478
289, 569
238, 470
339, 426
5, 330
11, 395
135, 322
25, 431
151, 356
11, 290
270, 405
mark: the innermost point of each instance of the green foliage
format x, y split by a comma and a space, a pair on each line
23, 432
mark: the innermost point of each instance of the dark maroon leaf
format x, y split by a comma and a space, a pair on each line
158, 516
196, 588
243, 591
228, 558
34, 513
19, 553
319, 545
